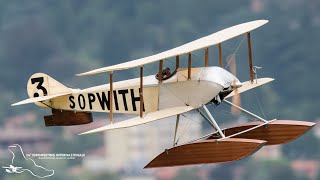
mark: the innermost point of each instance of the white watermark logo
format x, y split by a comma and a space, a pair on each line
15, 169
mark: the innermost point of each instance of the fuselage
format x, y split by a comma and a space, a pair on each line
204, 85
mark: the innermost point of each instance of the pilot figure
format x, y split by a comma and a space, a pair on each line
166, 73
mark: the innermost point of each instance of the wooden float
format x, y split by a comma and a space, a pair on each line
276, 132
207, 151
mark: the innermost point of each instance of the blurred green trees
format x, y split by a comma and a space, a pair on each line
63, 38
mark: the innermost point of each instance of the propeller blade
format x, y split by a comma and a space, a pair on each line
236, 98
232, 64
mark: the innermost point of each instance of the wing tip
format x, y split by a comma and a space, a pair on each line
82, 74
269, 79
15, 104
100, 129
84, 133
263, 21
88, 132
19, 103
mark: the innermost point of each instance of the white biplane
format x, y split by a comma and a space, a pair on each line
171, 94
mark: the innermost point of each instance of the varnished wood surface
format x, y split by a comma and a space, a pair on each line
250, 56
189, 66
206, 58
220, 55
207, 151
67, 118
177, 62
277, 132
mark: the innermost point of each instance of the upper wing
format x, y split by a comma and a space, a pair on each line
248, 85
149, 117
39, 99
204, 42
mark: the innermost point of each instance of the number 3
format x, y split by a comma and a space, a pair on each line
40, 81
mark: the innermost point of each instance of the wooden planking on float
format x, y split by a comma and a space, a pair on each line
207, 151
276, 132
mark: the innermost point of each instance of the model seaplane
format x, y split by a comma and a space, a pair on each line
171, 94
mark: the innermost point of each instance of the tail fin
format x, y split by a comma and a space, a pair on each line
41, 84
41, 88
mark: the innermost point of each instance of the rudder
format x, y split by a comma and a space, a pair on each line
41, 84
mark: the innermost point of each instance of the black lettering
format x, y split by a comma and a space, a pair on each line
134, 99
91, 99
142, 102
115, 99
103, 100
83, 104
124, 92
72, 104
40, 81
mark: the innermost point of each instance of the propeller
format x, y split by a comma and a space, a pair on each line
236, 98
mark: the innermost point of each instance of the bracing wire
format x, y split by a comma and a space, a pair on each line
190, 119
259, 104
169, 88
236, 50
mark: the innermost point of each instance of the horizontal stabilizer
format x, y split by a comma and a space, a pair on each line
248, 85
39, 99
149, 117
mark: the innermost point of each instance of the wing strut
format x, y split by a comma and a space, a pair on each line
141, 91
206, 59
111, 98
160, 71
175, 130
250, 57
245, 111
213, 122
177, 62
220, 55
189, 65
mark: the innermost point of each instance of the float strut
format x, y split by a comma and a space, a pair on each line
213, 122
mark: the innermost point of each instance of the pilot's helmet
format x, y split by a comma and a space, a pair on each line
166, 71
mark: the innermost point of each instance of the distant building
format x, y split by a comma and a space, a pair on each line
268, 152
95, 160
307, 167
31, 140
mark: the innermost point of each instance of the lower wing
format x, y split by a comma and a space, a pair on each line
250, 85
149, 117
